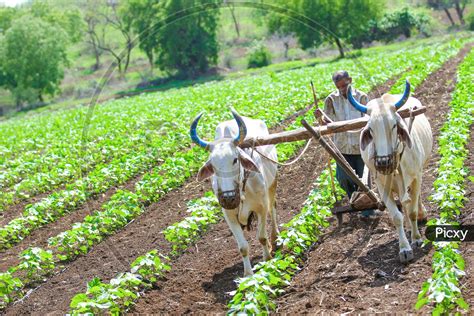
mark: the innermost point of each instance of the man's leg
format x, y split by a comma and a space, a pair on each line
344, 181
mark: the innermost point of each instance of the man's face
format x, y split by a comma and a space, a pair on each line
342, 84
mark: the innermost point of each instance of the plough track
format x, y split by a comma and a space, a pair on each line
356, 269
116, 252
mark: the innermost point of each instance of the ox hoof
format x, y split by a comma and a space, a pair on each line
417, 243
406, 255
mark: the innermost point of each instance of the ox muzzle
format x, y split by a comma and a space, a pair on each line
229, 199
386, 164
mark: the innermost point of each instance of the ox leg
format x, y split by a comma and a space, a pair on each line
406, 253
413, 213
422, 214
234, 225
262, 233
275, 232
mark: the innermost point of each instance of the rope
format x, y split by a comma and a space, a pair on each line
288, 163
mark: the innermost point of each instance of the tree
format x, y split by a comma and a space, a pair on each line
333, 21
142, 15
188, 42
69, 20
103, 19
93, 22
458, 5
7, 15
32, 57
442, 5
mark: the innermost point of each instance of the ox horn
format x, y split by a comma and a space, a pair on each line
406, 95
360, 107
194, 135
242, 128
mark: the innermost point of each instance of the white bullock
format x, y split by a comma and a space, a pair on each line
397, 157
243, 182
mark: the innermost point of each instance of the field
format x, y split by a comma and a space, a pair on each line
100, 209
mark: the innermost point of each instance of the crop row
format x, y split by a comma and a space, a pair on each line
123, 207
62, 202
44, 131
122, 291
442, 288
155, 116
149, 189
254, 293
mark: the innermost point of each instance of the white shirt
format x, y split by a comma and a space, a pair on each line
341, 110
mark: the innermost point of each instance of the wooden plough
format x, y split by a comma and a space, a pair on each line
317, 132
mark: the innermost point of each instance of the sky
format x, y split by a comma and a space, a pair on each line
11, 3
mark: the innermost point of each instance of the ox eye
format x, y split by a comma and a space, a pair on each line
235, 161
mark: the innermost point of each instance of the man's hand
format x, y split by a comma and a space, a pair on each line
321, 117
318, 113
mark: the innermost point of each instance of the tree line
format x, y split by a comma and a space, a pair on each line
179, 36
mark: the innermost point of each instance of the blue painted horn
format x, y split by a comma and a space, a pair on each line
406, 95
194, 135
360, 107
242, 128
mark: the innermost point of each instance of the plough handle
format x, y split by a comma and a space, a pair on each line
336, 154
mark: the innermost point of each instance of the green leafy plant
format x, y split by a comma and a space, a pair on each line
123, 290
255, 293
442, 288
204, 212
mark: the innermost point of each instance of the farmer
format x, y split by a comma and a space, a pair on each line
338, 108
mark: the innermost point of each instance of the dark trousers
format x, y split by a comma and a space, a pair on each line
344, 180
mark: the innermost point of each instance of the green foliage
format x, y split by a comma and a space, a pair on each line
149, 266
123, 290
10, 288
204, 212
32, 58
401, 22
448, 265
470, 21
255, 293
259, 57
143, 17
187, 41
7, 15
156, 119
326, 21
36, 263
69, 20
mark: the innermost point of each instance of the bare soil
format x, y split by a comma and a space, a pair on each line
202, 276
356, 268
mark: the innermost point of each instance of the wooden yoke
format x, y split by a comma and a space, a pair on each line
331, 128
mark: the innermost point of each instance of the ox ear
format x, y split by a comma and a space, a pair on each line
403, 133
247, 161
206, 171
365, 138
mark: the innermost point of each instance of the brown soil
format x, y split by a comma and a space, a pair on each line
117, 252
39, 237
144, 234
15, 210
201, 277
356, 268
467, 248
